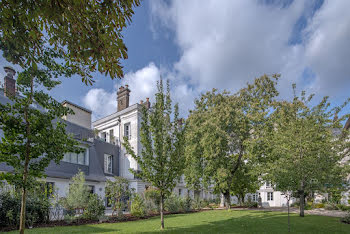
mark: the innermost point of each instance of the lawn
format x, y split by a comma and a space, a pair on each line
216, 221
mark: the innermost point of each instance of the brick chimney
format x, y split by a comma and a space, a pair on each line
123, 95
9, 82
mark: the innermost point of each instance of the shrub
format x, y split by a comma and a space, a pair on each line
343, 207
37, 207
174, 204
251, 204
197, 203
188, 203
117, 193
319, 205
330, 206
138, 208
95, 208
346, 218
295, 204
152, 200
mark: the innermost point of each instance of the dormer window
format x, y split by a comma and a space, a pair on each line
108, 163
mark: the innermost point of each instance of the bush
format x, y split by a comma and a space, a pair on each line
330, 206
138, 208
251, 204
346, 218
343, 207
174, 204
295, 204
95, 208
37, 207
197, 203
188, 203
152, 200
319, 205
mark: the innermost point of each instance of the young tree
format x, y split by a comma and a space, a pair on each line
34, 134
162, 138
306, 146
117, 191
222, 133
88, 34
77, 195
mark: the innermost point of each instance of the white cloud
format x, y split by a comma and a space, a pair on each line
327, 50
142, 84
227, 43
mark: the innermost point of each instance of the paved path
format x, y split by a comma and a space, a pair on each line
323, 212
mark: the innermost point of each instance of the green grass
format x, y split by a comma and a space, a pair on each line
217, 221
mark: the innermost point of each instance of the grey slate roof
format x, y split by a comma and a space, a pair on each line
97, 148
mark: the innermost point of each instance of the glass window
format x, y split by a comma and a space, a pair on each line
180, 192
270, 196
66, 157
73, 158
91, 189
111, 136
268, 184
127, 130
108, 163
81, 158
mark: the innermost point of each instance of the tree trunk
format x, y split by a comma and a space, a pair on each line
302, 200
227, 200
288, 214
161, 211
23, 211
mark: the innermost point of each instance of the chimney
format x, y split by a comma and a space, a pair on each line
9, 82
147, 103
123, 95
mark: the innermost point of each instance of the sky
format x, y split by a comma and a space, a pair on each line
199, 45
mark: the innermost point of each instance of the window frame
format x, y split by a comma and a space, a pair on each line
108, 164
270, 196
127, 133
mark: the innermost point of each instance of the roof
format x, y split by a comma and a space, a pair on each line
116, 114
73, 104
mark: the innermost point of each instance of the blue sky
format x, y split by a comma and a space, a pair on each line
200, 45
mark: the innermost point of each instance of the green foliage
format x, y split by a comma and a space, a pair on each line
138, 208
87, 34
77, 197
303, 150
197, 203
117, 192
37, 208
95, 208
152, 199
161, 160
224, 131
174, 203
346, 218
319, 205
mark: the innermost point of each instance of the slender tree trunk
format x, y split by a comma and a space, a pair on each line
288, 214
161, 211
26, 163
228, 200
302, 199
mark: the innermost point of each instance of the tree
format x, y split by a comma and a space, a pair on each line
77, 195
162, 138
34, 133
117, 191
245, 180
88, 34
306, 146
222, 133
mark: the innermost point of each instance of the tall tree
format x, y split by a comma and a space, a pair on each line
48, 39
221, 131
34, 133
306, 146
162, 138
88, 34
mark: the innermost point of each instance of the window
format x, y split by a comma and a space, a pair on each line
111, 136
81, 158
268, 184
270, 196
255, 197
104, 136
180, 192
91, 189
127, 130
108, 163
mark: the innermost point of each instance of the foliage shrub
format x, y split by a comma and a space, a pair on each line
295, 204
251, 204
138, 208
188, 203
152, 200
346, 218
95, 208
37, 207
319, 205
197, 203
330, 206
343, 207
174, 203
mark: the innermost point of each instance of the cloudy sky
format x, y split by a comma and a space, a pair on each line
200, 45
